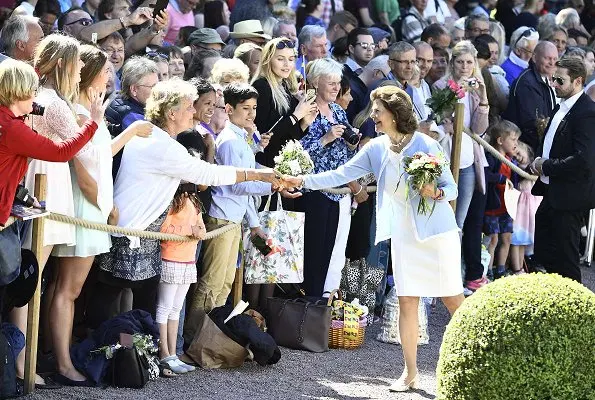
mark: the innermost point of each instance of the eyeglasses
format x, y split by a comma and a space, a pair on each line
406, 62
154, 54
558, 80
82, 21
285, 44
111, 51
526, 33
367, 46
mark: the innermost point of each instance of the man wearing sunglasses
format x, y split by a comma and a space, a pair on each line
566, 168
524, 40
361, 51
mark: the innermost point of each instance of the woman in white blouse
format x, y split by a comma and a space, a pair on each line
148, 178
425, 249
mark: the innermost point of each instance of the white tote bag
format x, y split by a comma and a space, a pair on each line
285, 231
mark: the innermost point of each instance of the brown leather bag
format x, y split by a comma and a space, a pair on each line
300, 324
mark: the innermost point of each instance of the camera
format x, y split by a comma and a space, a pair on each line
38, 109
350, 136
22, 196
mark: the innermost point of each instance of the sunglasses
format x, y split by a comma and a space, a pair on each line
367, 46
82, 21
526, 33
154, 54
558, 80
285, 44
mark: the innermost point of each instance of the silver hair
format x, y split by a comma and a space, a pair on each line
400, 47
134, 70
568, 18
277, 26
575, 52
16, 29
475, 17
323, 66
378, 62
310, 32
268, 25
517, 41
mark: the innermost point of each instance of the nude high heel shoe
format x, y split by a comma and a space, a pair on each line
402, 386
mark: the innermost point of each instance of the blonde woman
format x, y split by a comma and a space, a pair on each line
278, 106
228, 70
464, 69
250, 54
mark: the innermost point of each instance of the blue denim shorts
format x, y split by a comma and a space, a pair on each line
497, 224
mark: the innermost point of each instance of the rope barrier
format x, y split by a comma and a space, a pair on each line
226, 228
499, 156
136, 232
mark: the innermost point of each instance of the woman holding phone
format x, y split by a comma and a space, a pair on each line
279, 111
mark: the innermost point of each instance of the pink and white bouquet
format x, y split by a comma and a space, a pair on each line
423, 169
442, 103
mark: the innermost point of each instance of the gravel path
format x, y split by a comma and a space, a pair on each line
365, 373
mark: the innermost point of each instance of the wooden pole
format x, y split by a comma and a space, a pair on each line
457, 137
238, 282
33, 313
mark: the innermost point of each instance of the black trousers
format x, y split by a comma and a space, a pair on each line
104, 304
320, 232
557, 240
471, 243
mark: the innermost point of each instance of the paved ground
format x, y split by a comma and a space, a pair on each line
360, 374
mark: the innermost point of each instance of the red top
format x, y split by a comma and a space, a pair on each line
507, 172
18, 142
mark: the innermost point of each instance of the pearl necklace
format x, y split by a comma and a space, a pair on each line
398, 146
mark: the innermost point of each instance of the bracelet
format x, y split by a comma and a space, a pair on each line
293, 119
360, 190
440, 194
484, 105
245, 175
122, 22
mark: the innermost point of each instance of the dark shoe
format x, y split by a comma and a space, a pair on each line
61, 379
49, 383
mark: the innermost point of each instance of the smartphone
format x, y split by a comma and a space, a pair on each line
160, 6
261, 245
310, 95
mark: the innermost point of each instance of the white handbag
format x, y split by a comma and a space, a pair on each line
285, 229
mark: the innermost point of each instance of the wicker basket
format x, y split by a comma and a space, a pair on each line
336, 338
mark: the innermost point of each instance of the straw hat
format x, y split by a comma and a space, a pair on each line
251, 28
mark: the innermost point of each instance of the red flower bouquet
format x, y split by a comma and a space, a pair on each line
442, 103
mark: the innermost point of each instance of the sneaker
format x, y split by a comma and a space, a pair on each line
189, 368
499, 273
467, 292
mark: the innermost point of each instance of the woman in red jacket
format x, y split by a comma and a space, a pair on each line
18, 84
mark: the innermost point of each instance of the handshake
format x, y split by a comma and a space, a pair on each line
282, 183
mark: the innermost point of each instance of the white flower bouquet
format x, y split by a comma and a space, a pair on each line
293, 160
423, 169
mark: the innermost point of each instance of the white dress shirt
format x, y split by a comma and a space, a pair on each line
565, 106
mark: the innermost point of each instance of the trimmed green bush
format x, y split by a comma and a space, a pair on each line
527, 337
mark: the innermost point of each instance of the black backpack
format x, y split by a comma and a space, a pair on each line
8, 371
397, 25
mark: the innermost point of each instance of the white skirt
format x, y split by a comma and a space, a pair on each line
58, 199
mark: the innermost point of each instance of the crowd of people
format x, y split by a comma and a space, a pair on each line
200, 97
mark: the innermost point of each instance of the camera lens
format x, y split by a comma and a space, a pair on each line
350, 136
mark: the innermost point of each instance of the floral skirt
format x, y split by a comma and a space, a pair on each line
136, 264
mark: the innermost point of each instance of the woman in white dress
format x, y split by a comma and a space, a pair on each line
87, 180
425, 249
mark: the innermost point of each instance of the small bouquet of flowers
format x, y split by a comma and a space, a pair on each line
423, 169
293, 160
442, 103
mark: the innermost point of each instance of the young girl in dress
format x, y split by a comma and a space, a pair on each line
524, 223
179, 271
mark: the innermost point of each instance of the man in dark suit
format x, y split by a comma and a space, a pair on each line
531, 97
361, 51
567, 173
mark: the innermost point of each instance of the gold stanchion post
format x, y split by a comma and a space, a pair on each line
33, 314
457, 137
238, 283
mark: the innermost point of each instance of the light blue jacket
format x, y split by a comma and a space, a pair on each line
373, 158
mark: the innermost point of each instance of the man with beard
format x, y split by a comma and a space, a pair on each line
566, 168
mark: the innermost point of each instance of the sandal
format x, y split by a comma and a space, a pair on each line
165, 371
